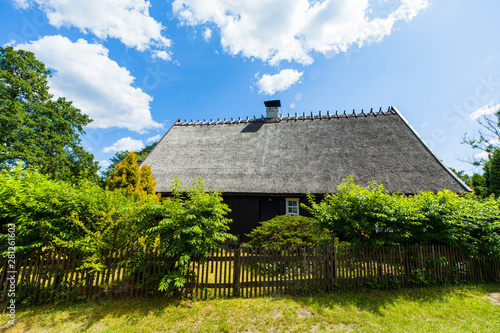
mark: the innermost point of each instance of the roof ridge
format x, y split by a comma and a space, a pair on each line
289, 117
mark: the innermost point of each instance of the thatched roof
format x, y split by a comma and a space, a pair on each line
295, 155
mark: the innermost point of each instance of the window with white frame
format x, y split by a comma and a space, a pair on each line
292, 206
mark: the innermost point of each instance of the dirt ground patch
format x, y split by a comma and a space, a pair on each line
494, 298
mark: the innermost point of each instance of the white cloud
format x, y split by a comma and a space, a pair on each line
126, 20
162, 55
11, 43
207, 34
154, 138
269, 84
124, 144
104, 164
487, 109
23, 4
96, 84
481, 155
276, 30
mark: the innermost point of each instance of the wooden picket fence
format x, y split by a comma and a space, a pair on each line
249, 272
43, 276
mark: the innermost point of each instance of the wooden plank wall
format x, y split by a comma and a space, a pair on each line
245, 272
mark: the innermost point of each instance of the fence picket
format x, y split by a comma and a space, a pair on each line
41, 277
250, 272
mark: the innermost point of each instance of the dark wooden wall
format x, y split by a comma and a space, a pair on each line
248, 210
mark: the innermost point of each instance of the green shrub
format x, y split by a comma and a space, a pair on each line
372, 216
184, 227
55, 214
362, 215
93, 221
286, 230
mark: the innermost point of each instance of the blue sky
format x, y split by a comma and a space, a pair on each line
136, 66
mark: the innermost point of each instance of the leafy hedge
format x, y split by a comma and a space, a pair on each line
93, 221
57, 214
371, 215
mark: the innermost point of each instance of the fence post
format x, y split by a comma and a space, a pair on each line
236, 272
335, 261
325, 279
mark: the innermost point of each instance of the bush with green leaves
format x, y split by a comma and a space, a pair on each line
466, 221
286, 230
92, 221
372, 216
184, 228
361, 215
49, 213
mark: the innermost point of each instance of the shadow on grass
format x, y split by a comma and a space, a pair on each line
93, 312
130, 310
376, 300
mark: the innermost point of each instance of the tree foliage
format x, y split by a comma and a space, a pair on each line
35, 128
93, 221
56, 214
479, 185
133, 181
110, 170
493, 174
184, 227
486, 140
488, 183
370, 215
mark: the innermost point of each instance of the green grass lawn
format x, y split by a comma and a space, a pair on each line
436, 309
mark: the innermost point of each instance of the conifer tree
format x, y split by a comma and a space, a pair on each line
135, 182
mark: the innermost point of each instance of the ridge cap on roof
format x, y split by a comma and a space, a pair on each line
320, 116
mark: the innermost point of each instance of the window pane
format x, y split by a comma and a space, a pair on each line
292, 206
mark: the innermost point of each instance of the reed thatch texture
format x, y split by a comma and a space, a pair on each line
295, 155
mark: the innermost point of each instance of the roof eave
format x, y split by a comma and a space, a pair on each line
460, 181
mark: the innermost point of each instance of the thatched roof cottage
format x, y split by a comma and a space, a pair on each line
265, 166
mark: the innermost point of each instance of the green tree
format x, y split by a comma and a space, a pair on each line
117, 158
35, 128
494, 173
58, 214
478, 184
364, 215
134, 181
